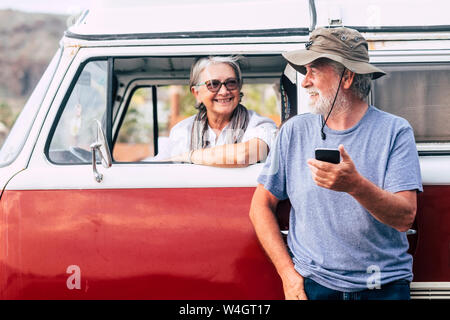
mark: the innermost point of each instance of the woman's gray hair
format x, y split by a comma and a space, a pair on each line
361, 84
239, 117
202, 63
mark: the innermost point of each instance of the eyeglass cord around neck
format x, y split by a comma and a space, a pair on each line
324, 136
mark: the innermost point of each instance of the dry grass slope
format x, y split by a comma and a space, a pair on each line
27, 43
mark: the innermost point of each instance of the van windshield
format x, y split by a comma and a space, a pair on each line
21, 128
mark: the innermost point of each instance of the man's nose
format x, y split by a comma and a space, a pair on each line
306, 82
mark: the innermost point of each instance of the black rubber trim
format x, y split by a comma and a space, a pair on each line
436, 28
109, 103
287, 32
155, 120
434, 153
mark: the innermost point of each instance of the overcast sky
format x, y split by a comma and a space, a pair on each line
74, 6
48, 6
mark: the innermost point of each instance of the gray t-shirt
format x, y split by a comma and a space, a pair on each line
334, 240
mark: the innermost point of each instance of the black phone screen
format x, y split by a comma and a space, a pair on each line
328, 155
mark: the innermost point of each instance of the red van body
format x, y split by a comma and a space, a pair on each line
143, 230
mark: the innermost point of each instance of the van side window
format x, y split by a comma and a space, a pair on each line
136, 136
420, 94
75, 131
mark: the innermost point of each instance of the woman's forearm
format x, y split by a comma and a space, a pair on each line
231, 155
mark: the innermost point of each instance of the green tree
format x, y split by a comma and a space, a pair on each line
187, 103
136, 128
260, 98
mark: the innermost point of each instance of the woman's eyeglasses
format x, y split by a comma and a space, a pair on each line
215, 85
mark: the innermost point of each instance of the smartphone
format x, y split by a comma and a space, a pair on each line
328, 155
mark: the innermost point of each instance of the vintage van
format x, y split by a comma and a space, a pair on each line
108, 224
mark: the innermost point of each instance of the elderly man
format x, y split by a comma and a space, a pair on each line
348, 221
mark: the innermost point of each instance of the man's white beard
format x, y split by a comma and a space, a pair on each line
323, 104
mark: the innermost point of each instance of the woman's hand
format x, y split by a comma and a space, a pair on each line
233, 155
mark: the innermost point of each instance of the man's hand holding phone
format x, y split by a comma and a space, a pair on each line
341, 176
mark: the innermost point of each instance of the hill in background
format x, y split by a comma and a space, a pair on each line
28, 41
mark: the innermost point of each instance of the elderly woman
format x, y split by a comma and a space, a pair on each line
223, 133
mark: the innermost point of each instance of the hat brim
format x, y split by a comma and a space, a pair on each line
299, 58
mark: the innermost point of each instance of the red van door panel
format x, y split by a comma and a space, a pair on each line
432, 254
180, 243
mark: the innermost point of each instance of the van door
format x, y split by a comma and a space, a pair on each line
146, 231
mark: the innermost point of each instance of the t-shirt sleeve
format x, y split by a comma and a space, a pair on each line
273, 174
403, 168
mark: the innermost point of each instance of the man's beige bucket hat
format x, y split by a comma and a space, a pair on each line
344, 45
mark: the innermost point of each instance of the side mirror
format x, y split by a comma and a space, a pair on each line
102, 147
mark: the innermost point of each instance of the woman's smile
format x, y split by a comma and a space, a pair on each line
223, 100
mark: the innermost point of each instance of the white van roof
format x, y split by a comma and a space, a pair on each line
194, 16
208, 18
398, 15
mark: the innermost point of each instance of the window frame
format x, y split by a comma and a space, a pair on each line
431, 148
112, 126
131, 86
117, 125
63, 105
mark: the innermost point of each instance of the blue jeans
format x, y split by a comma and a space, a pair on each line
396, 290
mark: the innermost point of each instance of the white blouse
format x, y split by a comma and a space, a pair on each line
180, 136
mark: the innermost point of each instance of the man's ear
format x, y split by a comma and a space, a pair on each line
348, 78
